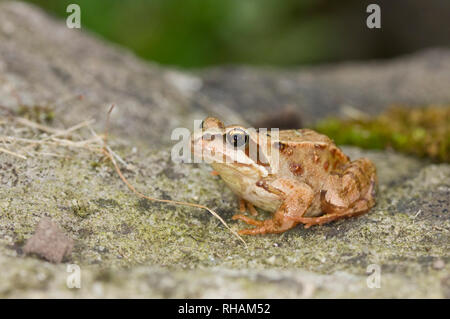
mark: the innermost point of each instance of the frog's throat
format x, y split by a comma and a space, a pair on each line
261, 170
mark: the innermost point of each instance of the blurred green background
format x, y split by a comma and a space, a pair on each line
199, 33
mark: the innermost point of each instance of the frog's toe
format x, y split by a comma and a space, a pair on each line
253, 231
252, 209
248, 220
242, 208
266, 228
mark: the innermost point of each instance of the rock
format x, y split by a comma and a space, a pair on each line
55, 66
266, 95
439, 264
129, 247
49, 242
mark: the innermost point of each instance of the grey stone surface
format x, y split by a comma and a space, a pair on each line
264, 95
129, 247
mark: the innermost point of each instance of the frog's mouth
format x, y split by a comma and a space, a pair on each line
249, 170
220, 153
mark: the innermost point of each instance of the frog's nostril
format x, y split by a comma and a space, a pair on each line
208, 137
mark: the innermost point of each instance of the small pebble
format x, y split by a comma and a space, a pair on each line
438, 264
271, 260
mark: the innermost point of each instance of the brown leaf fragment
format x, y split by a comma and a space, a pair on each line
49, 242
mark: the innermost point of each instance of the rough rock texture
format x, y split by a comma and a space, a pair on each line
129, 247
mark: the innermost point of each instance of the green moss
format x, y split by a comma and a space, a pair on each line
94, 164
37, 113
81, 208
424, 132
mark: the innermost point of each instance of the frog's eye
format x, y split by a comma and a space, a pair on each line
237, 137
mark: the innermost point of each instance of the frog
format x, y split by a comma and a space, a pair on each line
298, 175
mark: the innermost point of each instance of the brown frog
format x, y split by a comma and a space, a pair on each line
300, 175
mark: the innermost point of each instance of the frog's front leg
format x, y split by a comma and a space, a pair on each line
346, 193
296, 199
244, 206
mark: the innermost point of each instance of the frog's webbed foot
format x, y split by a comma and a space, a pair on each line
248, 220
346, 194
244, 206
269, 226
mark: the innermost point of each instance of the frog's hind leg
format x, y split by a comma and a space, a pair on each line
278, 224
357, 210
295, 203
348, 193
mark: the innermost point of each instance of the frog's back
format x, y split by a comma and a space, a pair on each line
309, 156
303, 136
